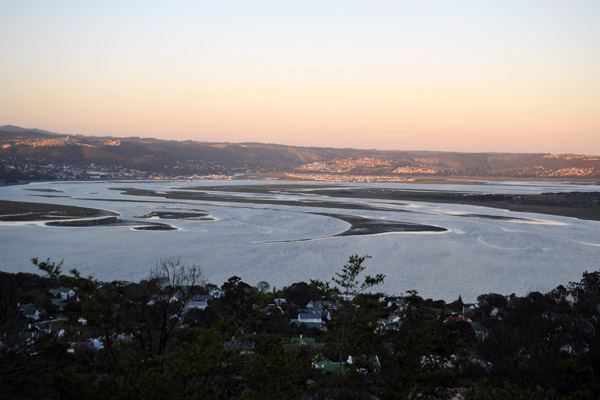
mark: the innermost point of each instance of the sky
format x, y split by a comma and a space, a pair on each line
461, 75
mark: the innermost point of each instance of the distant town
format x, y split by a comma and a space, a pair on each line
34, 155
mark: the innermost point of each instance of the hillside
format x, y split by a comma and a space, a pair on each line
30, 154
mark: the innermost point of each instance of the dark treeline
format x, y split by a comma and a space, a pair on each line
174, 336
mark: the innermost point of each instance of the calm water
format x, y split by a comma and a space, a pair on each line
475, 256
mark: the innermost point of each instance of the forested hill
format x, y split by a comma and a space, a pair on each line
31, 149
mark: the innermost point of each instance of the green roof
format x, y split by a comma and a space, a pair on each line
330, 366
60, 290
31, 308
385, 322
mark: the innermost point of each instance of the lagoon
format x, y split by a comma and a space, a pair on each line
281, 237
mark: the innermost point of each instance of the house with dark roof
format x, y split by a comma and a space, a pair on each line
195, 305
32, 311
204, 297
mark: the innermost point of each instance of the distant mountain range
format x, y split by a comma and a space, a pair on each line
38, 150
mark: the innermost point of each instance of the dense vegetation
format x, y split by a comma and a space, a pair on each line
147, 340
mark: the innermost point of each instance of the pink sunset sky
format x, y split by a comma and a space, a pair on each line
515, 76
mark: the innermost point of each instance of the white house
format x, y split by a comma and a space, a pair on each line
63, 292
309, 317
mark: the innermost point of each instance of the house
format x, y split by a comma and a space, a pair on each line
331, 366
315, 305
372, 361
176, 297
398, 303
279, 301
394, 318
311, 320
571, 298
310, 317
204, 297
79, 346
469, 309
217, 293
384, 324
51, 326
62, 292
562, 294
31, 311
97, 343
305, 341
273, 308
195, 305
326, 364
125, 337
393, 322
457, 317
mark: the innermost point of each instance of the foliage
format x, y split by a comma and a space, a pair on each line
149, 346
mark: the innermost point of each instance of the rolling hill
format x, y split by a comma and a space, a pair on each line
34, 149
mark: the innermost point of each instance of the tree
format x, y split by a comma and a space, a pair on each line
348, 285
236, 308
15, 357
300, 293
53, 269
348, 282
274, 372
158, 303
425, 356
493, 299
591, 282
263, 286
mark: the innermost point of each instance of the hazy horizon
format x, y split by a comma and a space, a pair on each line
467, 76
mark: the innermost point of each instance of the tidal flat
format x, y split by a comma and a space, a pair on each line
68, 216
29, 211
578, 204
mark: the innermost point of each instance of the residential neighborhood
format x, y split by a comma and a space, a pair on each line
329, 339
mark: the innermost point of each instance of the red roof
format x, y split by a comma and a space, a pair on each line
458, 318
